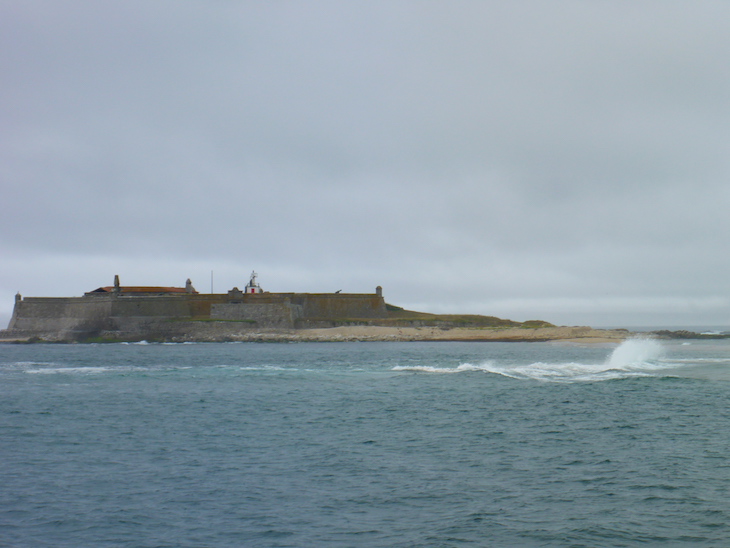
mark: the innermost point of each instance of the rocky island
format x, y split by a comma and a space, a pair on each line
119, 313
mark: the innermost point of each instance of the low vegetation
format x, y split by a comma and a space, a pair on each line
398, 316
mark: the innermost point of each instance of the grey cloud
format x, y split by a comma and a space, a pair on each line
467, 156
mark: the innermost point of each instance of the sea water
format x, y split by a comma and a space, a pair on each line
365, 444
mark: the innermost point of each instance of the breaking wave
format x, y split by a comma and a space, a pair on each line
486, 366
632, 358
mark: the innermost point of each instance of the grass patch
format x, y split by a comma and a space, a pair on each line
397, 314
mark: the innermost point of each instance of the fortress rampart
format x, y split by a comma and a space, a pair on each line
178, 314
119, 313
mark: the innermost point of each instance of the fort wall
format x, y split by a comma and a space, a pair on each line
263, 314
175, 315
339, 306
59, 315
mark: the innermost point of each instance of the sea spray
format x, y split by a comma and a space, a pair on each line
635, 353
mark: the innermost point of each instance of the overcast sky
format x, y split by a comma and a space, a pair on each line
565, 161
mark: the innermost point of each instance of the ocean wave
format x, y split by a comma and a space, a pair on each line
700, 360
632, 358
72, 370
569, 372
95, 370
266, 368
458, 369
28, 364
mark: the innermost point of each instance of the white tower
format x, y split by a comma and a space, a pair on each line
252, 286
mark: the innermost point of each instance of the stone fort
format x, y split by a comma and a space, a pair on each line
129, 312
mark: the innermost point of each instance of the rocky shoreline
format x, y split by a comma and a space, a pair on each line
358, 333
378, 333
211, 332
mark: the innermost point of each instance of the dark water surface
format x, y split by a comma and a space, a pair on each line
365, 444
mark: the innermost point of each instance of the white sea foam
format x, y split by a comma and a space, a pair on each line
28, 364
486, 366
701, 360
560, 372
94, 370
73, 370
266, 368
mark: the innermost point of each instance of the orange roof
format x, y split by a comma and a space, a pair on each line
142, 289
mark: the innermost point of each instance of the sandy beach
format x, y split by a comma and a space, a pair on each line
213, 333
